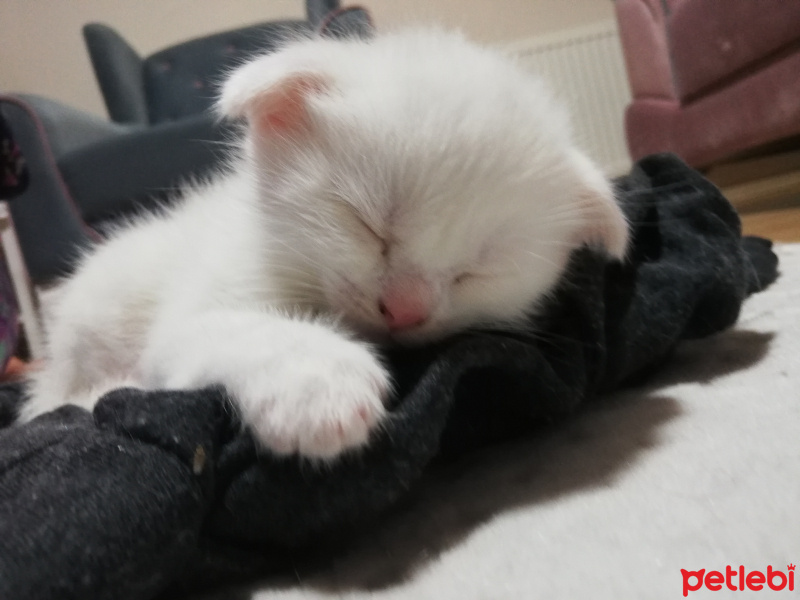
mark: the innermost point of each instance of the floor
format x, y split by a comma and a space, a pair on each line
765, 190
778, 225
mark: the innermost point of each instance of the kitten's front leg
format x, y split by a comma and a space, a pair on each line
300, 386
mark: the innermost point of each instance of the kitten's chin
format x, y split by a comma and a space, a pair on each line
417, 336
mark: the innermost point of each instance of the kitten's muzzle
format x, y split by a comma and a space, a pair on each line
406, 302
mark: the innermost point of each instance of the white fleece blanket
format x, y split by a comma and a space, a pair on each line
699, 469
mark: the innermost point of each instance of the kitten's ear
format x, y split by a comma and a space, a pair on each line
604, 224
272, 98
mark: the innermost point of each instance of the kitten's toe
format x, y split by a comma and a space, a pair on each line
344, 419
348, 430
322, 436
279, 442
321, 408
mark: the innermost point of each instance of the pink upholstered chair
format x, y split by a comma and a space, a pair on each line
710, 78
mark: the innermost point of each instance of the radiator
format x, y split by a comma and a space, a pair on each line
585, 68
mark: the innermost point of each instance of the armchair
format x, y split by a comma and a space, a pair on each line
710, 79
87, 172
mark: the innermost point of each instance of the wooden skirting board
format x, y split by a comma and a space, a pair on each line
769, 193
778, 225
763, 183
766, 192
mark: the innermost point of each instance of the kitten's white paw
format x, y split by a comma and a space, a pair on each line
319, 403
300, 386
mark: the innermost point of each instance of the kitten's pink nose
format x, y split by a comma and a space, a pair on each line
405, 302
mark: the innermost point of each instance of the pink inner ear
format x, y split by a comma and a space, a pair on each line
282, 110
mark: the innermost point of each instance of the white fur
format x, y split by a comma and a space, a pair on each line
415, 154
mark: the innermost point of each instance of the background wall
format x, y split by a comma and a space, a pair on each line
42, 51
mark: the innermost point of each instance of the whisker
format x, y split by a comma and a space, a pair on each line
543, 259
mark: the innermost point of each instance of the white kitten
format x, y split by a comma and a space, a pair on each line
407, 186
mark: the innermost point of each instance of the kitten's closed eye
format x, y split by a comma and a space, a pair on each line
384, 245
464, 277
475, 275
349, 214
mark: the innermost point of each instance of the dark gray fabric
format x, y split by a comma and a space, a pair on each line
112, 476
123, 175
162, 492
118, 68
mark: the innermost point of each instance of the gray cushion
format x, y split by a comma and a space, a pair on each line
133, 172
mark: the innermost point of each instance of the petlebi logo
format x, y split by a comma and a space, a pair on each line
739, 579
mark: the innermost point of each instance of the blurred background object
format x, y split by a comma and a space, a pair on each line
88, 172
718, 83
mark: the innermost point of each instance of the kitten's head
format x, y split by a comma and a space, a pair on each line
424, 183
